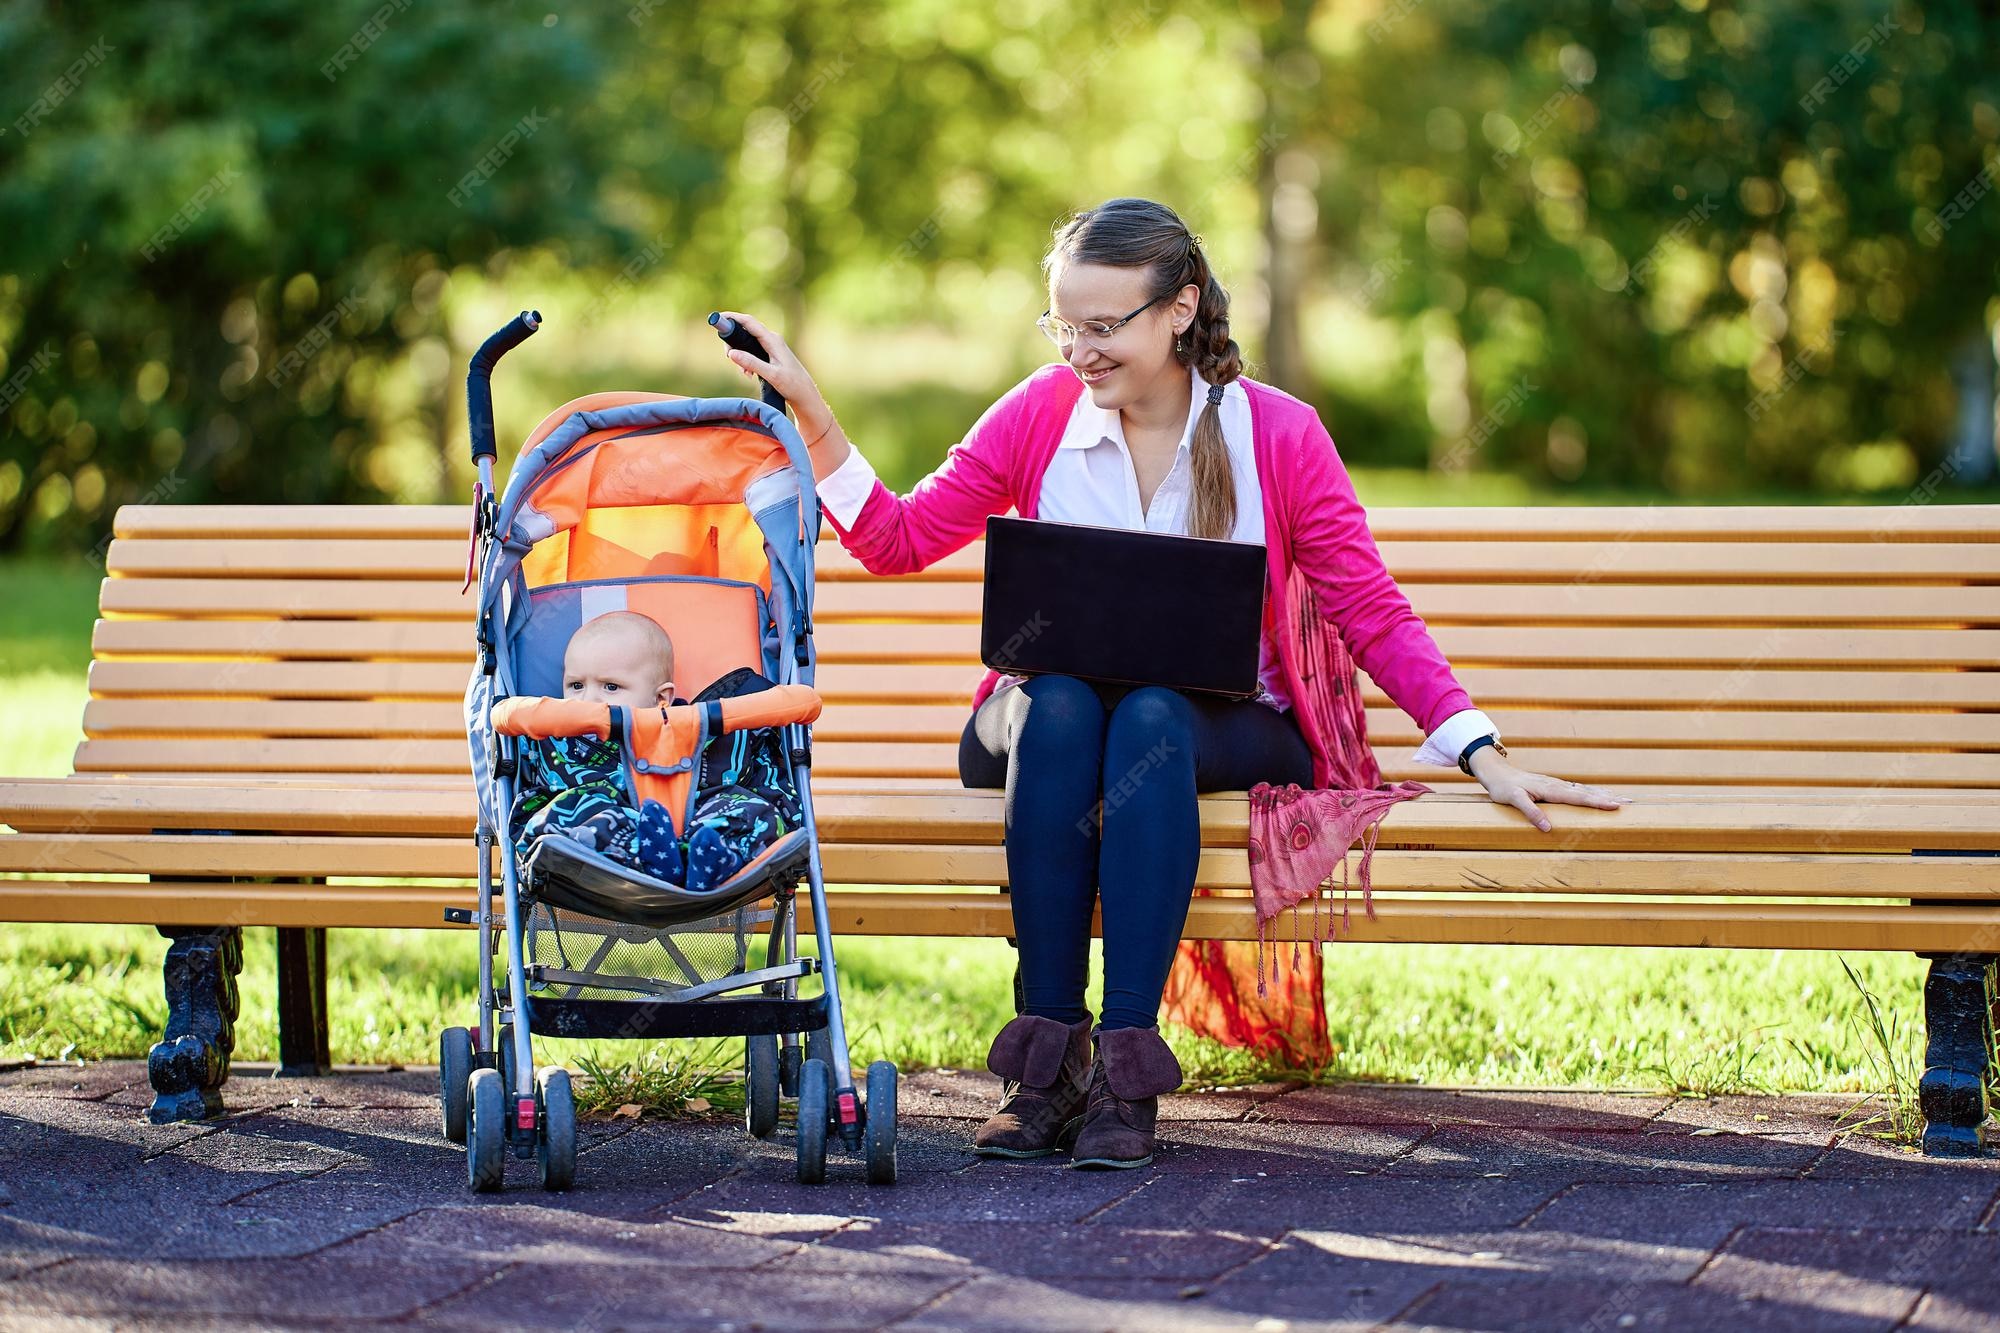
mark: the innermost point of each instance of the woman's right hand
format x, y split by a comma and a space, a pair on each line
783, 370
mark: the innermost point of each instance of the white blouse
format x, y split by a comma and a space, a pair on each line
1091, 479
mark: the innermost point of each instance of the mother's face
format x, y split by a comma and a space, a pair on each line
1118, 370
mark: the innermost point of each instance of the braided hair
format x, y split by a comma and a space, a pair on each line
1138, 233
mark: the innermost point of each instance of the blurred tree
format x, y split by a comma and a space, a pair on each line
1287, 172
1675, 245
231, 226
1683, 245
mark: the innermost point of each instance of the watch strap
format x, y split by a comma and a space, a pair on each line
1465, 755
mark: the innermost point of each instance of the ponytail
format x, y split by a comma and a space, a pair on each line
1215, 356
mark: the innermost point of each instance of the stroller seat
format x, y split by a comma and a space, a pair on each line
564, 873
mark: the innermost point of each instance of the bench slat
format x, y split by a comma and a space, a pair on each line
1444, 782
1833, 693
350, 640
1445, 602
1719, 925
1394, 869
249, 679
1467, 646
293, 522
441, 559
1757, 564
392, 721
954, 817
1543, 562
437, 755
1548, 562
1858, 926
1573, 523
422, 640
938, 760
1695, 522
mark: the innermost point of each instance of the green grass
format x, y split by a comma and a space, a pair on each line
677, 1080
46, 616
1686, 1021
41, 717
45, 621
1896, 1065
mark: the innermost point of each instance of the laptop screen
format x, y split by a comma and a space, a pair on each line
1114, 605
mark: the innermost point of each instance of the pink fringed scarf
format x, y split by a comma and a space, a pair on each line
1299, 837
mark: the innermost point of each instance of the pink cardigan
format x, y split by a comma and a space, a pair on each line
1314, 527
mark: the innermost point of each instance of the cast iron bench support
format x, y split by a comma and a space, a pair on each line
188, 1067
1959, 1017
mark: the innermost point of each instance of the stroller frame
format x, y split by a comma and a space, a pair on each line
494, 1098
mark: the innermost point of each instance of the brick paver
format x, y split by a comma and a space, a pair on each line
1273, 1208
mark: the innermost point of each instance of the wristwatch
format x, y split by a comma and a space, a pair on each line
1465, 755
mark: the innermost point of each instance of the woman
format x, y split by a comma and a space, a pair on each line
1147, 422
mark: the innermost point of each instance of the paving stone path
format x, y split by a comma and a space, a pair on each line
335, 1201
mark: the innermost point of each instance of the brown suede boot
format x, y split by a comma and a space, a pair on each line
1133, 1067
1046, 1066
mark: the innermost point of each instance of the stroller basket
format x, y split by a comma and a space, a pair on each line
591, 976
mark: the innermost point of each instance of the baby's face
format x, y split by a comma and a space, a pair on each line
615, 669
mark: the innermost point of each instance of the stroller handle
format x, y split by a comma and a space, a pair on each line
743, 340
478, 385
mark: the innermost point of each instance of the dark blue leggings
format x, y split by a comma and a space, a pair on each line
1060, 746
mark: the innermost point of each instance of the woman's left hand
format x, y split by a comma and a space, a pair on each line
1519, 788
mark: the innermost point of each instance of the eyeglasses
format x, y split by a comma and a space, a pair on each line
1062, 333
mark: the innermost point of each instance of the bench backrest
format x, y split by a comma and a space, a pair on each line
1755, 646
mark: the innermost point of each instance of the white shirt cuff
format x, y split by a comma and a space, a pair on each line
1452, 736
844, 491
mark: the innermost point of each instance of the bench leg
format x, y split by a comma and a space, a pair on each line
187, 1068
303, 1048
1958, 1024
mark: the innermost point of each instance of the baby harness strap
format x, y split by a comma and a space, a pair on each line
753, 758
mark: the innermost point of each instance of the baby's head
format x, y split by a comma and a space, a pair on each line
620, 657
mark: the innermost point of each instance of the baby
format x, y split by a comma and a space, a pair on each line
622, 658
578, 780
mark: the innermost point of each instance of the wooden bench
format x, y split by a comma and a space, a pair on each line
1805, 703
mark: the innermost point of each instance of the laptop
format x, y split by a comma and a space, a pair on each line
1123, 607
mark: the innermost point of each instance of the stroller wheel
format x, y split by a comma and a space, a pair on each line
816, 1047
555, 1145
760, 1083
815, 1102
486, 1131
878, 1136
454, 1068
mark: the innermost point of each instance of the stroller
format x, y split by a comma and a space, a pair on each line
699, 513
